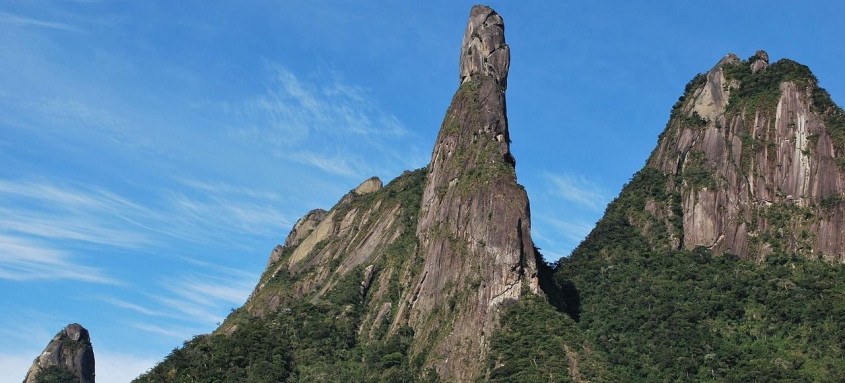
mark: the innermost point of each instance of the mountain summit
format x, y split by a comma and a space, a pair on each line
707, 267
721, 259
69, 357
756, 154
399, 282
474, 227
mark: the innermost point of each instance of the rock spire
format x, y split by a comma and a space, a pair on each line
69, 351
484, 51
431, 259
474, 226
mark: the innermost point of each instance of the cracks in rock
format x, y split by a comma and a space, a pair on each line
419, 287
716, 242
518, 269
680, 212
495, 299
486, 22
679, 167
522, 261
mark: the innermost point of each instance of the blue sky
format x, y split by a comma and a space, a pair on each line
154, 152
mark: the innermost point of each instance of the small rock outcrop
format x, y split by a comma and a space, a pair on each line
759, 61
69, 351
371, 185
304, 226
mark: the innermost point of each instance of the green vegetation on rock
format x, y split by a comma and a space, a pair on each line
761, 90
54, 374
659, 314
631, 304
312, 338
536, 343
697, 172
834, 119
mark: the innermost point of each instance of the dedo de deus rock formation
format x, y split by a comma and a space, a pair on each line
438, 251
717, 262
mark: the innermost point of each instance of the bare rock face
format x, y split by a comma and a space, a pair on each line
370, 185
70, 350
474, 226
756, 155
304, 226
484, 51
711, 99
325, 246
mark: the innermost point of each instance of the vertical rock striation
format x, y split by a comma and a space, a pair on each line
474, 225
70, 351
757, 157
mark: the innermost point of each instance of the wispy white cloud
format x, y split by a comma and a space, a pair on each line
227, 189
189, 303
339, 119
207, 290
26, 260
249, 217
78, 118
170, 331
57, 214
42, 224
14, 366
63, 196
74, 228
225, 271
132, 306
202, 297
338, 164
25, 325
335, 107
218, 212
42, 211
24, 21
74, 112
574, 231
558, 237
578, 190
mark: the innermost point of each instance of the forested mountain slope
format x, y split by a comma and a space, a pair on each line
721, 259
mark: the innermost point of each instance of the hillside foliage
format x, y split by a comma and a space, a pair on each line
312, 338
628, 305
689, 315
54, 374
